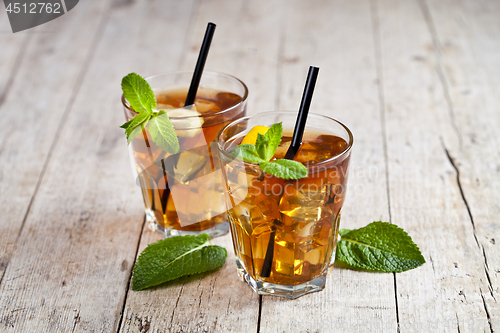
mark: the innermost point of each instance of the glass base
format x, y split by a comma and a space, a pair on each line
219, 230
272, 289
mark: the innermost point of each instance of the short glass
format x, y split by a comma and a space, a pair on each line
183, 192
285, 231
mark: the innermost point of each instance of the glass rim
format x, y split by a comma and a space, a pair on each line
287, 112
126, 104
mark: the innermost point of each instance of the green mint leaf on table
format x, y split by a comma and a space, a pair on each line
138, 93
286, 169
380, 246
174, 257
142, 99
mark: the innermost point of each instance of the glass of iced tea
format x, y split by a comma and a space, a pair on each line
285, 231
183, 192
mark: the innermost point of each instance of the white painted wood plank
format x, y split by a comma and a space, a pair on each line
72, 263
468, 40
218, 302
338, 38
38, 99
445, 294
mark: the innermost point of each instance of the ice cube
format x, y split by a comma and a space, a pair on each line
261, 235
237, 194
282, 149
313, 252
305, 204
268, 209
284, 256
184, 166
228, 97
307, 153
187, 122
210, 194
204, 106
242, 211
165, 107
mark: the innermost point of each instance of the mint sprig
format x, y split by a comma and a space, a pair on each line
263, 151
380, 246
174, 257
141, 97
138, 93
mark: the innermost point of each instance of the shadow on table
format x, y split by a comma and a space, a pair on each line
342, 266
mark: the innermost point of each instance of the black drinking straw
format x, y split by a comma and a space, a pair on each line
193, 88
200, 64
298, 132
300, 124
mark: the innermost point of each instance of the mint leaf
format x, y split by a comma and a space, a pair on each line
126, 124
247, 153
141, 97
163, 133
342, 232
380, 246
267, 144
263, 151
136, 125
174, 257
273, 136
261, 146
135, 132
138, 93
286, 169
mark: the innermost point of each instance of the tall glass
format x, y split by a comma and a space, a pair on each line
285, 231
183, 192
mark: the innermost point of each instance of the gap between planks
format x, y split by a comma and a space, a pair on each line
380, 88
130, 276
442, 79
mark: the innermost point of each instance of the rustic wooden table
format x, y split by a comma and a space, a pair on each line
417, 81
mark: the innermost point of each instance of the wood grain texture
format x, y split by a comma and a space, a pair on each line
11, 56
418, 83
34, 109
444, 295
319, 33
72, 263
467, 36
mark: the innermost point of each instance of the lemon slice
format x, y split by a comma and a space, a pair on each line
251, 136
188, 123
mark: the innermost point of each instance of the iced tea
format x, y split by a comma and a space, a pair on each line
193, 173
285, 231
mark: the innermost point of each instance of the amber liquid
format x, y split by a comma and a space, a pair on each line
158, 170
299, 217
